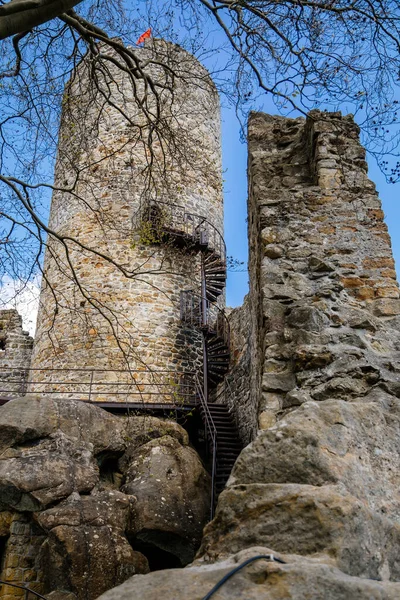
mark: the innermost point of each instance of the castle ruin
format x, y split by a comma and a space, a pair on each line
312, 382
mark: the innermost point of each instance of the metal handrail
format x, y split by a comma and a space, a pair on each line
211, 432
23, 587
213, 319
174, 218
175, 383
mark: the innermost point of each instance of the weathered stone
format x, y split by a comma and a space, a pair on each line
283, 381
320, 265
111, 508
266, 419
295, 397
29, 418
312, 357
308, 318
88, 560
305, 520
386, 307
353, 444
57, 450
172, 492
342, 387
142, 429
35, 475
298, 579
273, 251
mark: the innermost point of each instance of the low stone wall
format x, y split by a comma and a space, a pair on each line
21, 549
15, 354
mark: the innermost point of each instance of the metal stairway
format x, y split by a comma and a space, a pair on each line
215, 275
228, 443
208, 318
201, 311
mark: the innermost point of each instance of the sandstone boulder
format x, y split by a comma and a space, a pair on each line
30, 418
62, 465
86, 550
44, 471
354, 444
172, 492
308, 521
299, 579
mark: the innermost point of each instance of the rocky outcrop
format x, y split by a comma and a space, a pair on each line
88, 499
299, 579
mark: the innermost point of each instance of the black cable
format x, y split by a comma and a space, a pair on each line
225, 578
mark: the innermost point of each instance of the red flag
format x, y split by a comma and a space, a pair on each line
144, 35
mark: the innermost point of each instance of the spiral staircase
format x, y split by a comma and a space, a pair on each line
174, 225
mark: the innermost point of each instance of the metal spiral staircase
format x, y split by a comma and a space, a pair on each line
173, 224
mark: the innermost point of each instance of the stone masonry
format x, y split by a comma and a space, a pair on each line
21, 541
15, 354
124, 312
323, 292
237, 381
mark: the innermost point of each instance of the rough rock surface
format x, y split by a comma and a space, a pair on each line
321, 478
174, 474
299, 579
67, 525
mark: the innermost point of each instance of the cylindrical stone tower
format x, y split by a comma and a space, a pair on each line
133, 186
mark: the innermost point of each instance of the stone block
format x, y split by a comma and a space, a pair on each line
386, 307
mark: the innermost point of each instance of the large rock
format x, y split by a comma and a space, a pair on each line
30, 418
299, 579
307, 521
172, 492
37, 474
86, 551
356, 444
50, 449
62, 464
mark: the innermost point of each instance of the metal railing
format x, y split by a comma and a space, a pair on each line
27, 589
173, 219
97, 385
210, 438
213, 319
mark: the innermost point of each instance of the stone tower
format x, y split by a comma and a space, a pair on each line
138, 199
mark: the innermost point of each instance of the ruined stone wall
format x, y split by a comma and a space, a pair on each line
124, 312
321, 477
15, 353
325, 293
21, 541
237, 382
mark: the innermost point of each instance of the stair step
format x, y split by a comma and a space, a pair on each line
215, 275
219, 354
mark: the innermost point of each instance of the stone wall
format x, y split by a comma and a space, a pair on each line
15, 353
323, 284
111, 298
237, 382
21, 541
320, 479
